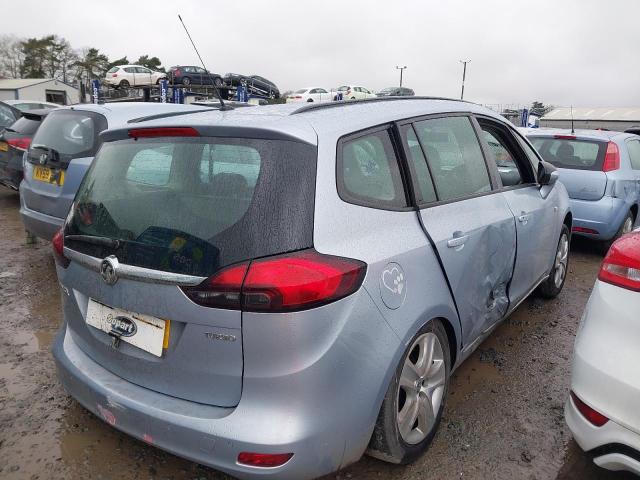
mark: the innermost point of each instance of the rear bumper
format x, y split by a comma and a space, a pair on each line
604, 216
612, 446
41, 225
208, 435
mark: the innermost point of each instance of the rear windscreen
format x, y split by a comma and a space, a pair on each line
570, 153
25, 125
70, 133
195, 205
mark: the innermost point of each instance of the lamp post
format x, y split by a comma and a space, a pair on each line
464, 76
401, 70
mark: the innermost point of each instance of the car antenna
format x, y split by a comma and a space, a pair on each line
573, 131
222, 104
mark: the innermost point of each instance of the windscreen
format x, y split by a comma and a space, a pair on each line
27, 126
571, 153
195, 205
70, 133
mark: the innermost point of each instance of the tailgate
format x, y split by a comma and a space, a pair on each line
202, 361
584, 184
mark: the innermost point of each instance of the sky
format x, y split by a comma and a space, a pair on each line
560, 52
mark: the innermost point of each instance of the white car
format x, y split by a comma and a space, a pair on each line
353, 92
126, 76
602, 411
310, 94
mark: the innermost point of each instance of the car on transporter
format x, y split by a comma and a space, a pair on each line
62, 150
274, 291
601, 171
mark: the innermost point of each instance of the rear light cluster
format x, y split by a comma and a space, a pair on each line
584, 230
264, 460
20, 143
114, 75
58, 249
611, 158
282, 283
593, 416
621, 266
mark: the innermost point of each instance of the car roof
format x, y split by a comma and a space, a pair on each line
308, 122
119, 113
39, 102
580, 134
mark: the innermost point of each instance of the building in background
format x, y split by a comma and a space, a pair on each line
618, 119
41, 89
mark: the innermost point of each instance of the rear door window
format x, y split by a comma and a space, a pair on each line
571, 153
195, 205
368, 172
70, 133
454, 156
633, 146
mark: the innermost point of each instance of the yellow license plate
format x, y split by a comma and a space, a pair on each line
48, 175
3, 147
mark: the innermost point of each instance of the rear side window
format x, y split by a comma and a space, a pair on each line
28, 126
195, 205
71, 133
569, 153
455, 157
633, 146
368, 172
7, 117
113, 70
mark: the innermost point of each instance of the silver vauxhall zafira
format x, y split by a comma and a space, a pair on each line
274, 291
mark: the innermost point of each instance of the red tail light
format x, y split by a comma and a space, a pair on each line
584, 230
20, 143
298, 96
163, 132
264, 460
621, 266
58, 249
284, 283
177, 72
114, 75
611, 158
593, 416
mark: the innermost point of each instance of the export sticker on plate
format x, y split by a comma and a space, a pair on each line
143, 331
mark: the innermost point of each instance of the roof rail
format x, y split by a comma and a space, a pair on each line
170, 114
322, 106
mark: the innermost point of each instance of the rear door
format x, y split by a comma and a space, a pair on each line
579, 163
60, 154
468, 222
536, 223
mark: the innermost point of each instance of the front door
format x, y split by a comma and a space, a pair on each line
537, 237
469, 224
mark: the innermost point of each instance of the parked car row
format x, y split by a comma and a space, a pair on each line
345, 92
201, 253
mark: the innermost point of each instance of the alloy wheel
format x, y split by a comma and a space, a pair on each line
421, 388
562, 259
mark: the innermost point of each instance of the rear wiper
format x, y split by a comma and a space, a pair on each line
94, 240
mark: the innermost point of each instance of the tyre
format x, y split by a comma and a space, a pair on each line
353, 98
626, 227
552, 286
186, 81
413, 405
123, 84
217, 81
310, 100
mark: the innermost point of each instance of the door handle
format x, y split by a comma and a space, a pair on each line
523, 219
457, 241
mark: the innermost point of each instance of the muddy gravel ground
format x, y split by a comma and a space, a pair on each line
503, 418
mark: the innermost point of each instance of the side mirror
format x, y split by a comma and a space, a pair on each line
547, 174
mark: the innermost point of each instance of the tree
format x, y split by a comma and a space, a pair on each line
538, 108
60, 58
121, 61
36, 54
152, 63
11, 56
91, 64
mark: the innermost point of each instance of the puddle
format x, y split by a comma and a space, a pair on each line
32, 342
